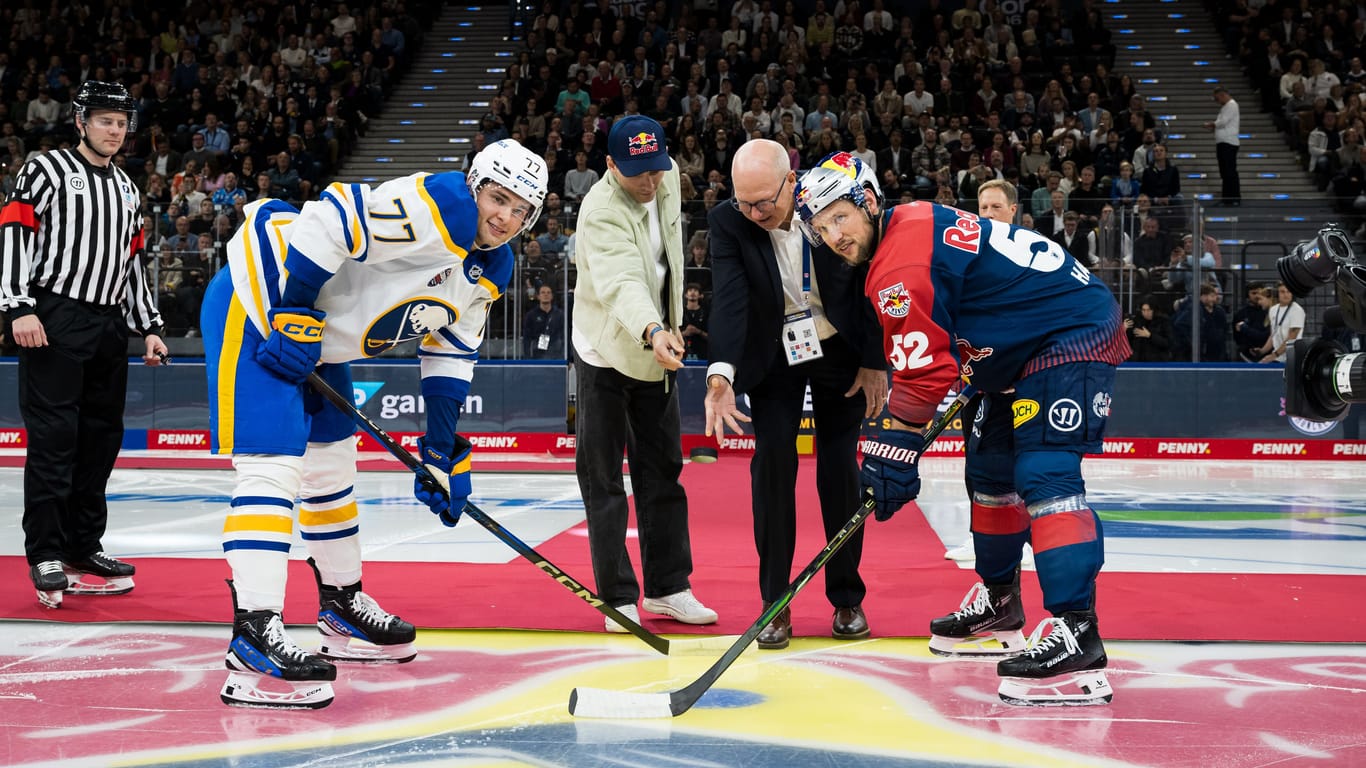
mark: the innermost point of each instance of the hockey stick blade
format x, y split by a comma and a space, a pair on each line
482, 518
601, 703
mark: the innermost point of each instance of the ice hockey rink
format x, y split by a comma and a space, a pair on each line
129, 694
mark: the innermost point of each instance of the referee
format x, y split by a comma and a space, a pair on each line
72, 284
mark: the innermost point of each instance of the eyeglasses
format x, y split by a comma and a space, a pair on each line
764, 207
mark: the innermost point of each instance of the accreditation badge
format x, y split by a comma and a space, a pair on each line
800, 339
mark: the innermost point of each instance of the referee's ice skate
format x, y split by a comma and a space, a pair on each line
99, 574
50, 582
355, 628
1065, 667
260, 650
986, 624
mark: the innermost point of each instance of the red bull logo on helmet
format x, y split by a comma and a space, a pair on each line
641, 144
842, 162
894, 301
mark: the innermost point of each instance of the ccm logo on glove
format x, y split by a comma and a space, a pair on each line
298, 327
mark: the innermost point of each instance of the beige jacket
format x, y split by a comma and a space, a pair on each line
617, 292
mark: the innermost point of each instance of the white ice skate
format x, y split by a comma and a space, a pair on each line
99, 574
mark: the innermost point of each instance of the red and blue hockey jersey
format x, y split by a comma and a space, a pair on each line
961, 295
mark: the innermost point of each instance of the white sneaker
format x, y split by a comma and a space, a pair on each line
630, 612
962, 553
681, 606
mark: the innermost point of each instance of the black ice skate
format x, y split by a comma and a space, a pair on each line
261, 649
1064, 667
50, 581
99, 574
986, 624
355, 628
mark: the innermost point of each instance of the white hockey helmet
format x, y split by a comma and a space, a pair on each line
515, 168
839, 176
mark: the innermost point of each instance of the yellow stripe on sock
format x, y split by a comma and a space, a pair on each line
310, 517
266, 523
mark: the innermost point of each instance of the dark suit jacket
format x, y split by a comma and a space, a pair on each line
884, 161
747, 301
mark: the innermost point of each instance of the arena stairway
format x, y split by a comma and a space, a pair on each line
1173, 50
431, 115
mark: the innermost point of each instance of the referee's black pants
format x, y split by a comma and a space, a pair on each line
776, 406
71, 395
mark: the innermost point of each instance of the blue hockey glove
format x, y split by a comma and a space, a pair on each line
889, 470
453, 474
295, 344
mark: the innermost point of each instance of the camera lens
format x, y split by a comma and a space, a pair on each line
1313, 262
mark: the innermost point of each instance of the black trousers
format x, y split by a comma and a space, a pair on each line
71, 395
617, 413
1227, 155
776, 406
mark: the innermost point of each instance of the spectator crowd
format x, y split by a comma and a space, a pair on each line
236, 101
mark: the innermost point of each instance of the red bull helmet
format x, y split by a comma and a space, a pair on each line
839, 176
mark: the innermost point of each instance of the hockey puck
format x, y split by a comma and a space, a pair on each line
702, 454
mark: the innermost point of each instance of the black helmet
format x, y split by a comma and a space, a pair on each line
96, 94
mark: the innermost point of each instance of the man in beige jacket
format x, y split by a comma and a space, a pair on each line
627, 304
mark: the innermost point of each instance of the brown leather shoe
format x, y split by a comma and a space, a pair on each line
778, 632
849, 624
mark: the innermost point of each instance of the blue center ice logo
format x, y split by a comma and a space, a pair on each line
411, 320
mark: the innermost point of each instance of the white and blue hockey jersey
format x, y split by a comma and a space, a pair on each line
388, 264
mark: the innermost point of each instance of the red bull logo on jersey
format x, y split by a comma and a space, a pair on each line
894, 301
968, 354
642, 144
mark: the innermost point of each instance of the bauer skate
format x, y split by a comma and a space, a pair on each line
987, 624
261, 649
99, 574
1066, 667
50, 582
355, 628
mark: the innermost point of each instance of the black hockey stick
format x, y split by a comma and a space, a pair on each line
492, 526
597, 702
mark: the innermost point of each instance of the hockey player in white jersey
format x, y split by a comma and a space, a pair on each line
347, 277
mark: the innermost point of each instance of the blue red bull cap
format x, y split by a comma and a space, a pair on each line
636, 144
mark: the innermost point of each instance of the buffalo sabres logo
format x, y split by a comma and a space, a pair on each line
411, 320
894, 301
440, 278
969, 354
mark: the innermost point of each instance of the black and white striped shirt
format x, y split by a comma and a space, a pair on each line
75, 229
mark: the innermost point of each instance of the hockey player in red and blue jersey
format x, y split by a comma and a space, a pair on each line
1012, 313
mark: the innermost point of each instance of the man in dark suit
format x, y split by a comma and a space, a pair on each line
769, 286
897, 156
